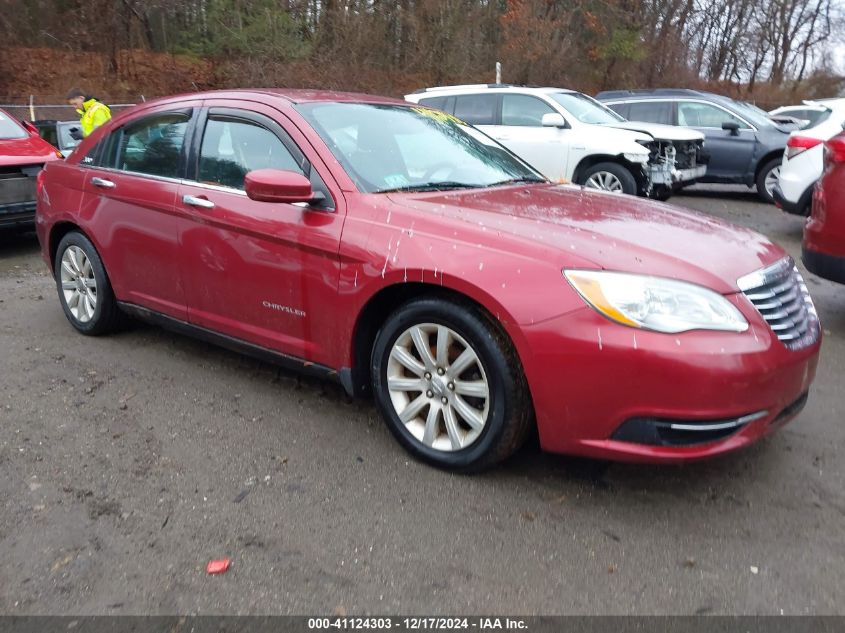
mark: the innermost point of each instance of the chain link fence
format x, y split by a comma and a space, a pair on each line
54, 108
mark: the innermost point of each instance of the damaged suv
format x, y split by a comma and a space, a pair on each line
571, 137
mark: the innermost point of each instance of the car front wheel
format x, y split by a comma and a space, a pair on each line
84, 289
449, 385
610, 177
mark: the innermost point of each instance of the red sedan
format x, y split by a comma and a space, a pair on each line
22, 155
405, 254
823, 250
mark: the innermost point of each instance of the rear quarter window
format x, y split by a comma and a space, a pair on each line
480, 109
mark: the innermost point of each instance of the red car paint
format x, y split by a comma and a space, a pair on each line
824, 234
29, 150
297, 281
22, 152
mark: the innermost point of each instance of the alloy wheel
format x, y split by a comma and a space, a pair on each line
79, 286
605, 181
438, 387
772, 180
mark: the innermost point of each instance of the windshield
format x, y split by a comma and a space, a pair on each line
66, 141
586, 109
397, 148
753, 114
10, 129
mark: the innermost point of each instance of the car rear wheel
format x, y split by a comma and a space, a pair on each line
767, 178
84, 289
449, 385
610, 177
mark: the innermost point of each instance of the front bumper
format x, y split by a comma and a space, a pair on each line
16, 214
670, 177
589, 377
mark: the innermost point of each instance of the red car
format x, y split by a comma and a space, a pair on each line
823, 250
22, 155
401, 252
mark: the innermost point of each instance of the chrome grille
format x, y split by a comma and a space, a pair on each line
781, 297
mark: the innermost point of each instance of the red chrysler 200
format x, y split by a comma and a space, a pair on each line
397, 250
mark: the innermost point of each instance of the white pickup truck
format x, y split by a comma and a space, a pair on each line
571, 137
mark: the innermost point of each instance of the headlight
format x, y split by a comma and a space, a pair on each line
636, 158
655, 303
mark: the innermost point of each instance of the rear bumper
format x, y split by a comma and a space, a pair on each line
801, 206
830, 267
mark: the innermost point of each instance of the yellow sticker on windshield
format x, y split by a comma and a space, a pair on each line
438, 115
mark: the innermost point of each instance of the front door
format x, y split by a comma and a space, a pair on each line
258, 271
730, 152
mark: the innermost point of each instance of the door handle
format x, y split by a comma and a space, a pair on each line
102, 182
194, 201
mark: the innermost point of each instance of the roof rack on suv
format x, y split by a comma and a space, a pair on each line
464, 86
606, 94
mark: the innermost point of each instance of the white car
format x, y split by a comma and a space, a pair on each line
802, 160
808, 114
571, 137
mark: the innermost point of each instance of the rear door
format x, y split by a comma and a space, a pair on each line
730, 153
259, 271
522, 132
129, 200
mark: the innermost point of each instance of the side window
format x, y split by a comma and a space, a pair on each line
233, 147
477, 109
524, 110
619, 108
434, 102
152, 145
652, 112
705, 115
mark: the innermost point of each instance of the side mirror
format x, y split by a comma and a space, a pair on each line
277, 185
553, 119
732, 127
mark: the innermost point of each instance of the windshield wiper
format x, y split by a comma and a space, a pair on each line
432, 186
518, 181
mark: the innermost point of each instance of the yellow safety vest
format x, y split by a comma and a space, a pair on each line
93, 115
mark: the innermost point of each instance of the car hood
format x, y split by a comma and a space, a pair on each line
660, 131
25, 151
613, 231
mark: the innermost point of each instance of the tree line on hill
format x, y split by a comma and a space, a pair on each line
392, 45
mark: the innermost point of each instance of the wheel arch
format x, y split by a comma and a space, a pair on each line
57, 232
585, 163
375, 312
778, 153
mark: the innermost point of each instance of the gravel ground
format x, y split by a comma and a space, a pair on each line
128, 462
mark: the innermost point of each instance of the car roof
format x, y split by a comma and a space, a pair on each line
435, 90
291, 95
660, 93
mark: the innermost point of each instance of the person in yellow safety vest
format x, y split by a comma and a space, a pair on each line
92, 113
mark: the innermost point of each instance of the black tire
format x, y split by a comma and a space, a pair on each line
764, 172
622, 173
106, 315
510, 412
662, 193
